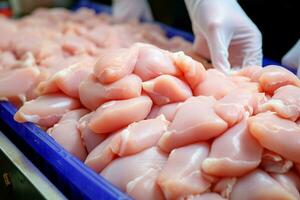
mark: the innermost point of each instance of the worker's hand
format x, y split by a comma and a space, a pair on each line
125, 10
292, 58
225, 34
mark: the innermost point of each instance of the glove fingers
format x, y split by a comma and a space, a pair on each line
246, 47
218, 48
200, 46
292, 57
147, 13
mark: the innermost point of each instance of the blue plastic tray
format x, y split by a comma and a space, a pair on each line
69, 174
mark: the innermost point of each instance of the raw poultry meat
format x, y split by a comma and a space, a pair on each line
66, 133
114, 64
8, 31
182, 175
259, 185
154, 112
92, 93
101, 155
39, 41
289, 181
167, 110
89, 138
114, 115
285, 102
248, 71
224, 186
246, 84
74, 114
240, 100
143, 165
189, 127
26, 78
145, 112
234, 153
32, 92
273, 162
166, 89
46, 110
66, 80
193, 71
7, 61
139, 136
130, 140
276, 134
273, 77
75, 45
145, 187
152, 62
215, 84
206, 196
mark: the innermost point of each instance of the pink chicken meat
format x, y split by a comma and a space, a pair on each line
182, 175
139, 136
187, 128
167, 89
143, 165
66, 80
153, 62
215, 84
46, 110
285, 102
276, 134
114, 64
234, 153
89, 138
26, 78
66, 133
273, 77
92, 93
259, 185
114, 115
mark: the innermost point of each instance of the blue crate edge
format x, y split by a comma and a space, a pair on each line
88, 184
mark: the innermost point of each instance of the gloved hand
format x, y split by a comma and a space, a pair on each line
124, 10
292, 58
225, 34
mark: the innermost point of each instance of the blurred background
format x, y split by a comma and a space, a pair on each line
278, 20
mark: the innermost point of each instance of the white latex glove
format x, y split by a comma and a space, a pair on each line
292, 58
125, 10
225, 34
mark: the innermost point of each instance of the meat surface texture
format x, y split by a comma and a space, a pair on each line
147, 113
114, 115
182, 174
276, 134
46, 110
188, 126
234, 153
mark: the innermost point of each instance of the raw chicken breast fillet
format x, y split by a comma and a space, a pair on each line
46, 110
194, 121
114, 115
